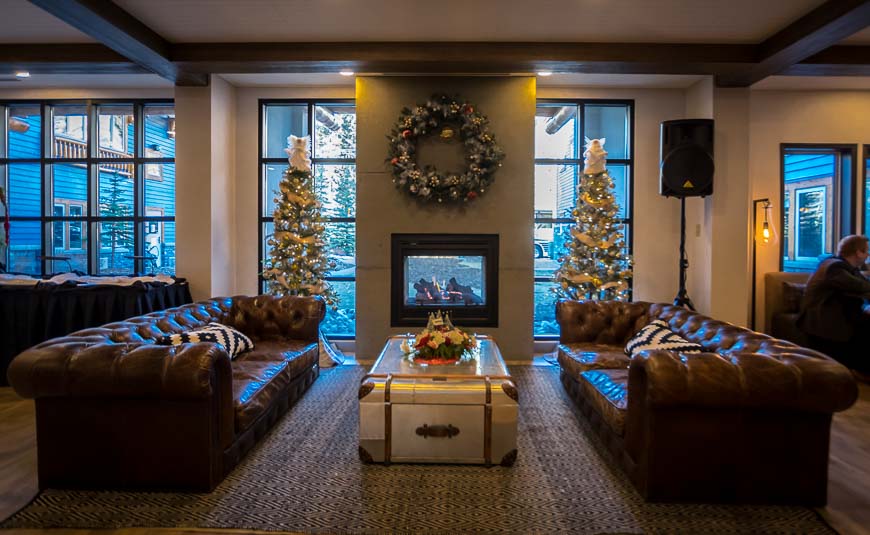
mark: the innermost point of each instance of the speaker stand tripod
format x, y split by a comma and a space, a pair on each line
682, 299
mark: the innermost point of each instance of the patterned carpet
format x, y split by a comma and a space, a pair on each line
305, 476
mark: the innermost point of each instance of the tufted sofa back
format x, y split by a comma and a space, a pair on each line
723, 338
600, 322
148, 328
121, 357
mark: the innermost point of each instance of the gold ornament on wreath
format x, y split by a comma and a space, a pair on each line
447, 118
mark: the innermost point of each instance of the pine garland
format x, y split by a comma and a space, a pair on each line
449, 119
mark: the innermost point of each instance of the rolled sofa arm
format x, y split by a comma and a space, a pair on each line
267, 316
800, 380
80, 368
600, 322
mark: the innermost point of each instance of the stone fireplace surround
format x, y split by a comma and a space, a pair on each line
506, 209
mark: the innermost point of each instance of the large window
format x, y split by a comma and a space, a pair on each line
560, 128
332, 126
817, 202
83, 195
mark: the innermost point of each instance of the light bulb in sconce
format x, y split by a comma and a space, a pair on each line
766, 233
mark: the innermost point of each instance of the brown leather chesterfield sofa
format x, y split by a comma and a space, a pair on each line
115, 410
748, 422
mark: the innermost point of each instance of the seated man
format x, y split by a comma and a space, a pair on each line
832, 313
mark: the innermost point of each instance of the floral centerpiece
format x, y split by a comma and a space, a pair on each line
440, 343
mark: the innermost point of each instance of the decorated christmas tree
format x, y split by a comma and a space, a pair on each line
595, 265
298, 261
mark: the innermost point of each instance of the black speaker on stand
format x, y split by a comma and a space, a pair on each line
686, 171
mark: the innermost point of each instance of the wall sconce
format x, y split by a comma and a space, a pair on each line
170, 130
765, 235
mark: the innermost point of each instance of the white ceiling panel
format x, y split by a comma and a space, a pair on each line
23, 22
691, 21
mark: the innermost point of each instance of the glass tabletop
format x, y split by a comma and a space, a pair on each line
486, 360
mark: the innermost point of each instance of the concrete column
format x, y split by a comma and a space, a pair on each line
506, 209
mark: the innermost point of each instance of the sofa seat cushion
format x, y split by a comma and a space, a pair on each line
580, 357
256, 383
607, 391
298, 355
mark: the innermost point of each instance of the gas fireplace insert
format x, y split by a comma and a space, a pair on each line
455, 273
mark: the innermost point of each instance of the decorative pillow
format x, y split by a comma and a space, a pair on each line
792, 295
232, 340
657, 335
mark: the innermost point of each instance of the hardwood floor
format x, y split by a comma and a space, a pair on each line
848, 509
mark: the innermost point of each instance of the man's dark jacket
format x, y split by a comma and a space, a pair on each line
834, 299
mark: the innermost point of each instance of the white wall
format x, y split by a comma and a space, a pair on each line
728, 208
777, 117
204, 188
223, 186
699, 105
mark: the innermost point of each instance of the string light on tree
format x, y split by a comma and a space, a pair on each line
595, 265
297, 261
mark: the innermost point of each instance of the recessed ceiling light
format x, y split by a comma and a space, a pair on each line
22, 74
545, 73
346, 73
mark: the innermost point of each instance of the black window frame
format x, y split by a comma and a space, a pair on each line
579, 133
91, 218
262, 161
846, 194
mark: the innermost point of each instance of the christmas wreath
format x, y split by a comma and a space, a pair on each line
447, 118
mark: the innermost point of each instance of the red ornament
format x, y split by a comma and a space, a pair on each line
394, 161
469, 110
472, 195
406, 134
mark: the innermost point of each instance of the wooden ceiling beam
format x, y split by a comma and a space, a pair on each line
816, 31
463, 57
834, 61
115, 28
199, 60
66, 59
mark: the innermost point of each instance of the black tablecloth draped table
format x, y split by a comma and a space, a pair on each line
32, 314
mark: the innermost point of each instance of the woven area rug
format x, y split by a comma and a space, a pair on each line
305, 476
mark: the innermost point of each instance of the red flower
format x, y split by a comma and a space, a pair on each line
422, 343
469, 110
406, 134
472, 195
394, 161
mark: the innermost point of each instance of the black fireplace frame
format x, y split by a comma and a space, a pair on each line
486, 245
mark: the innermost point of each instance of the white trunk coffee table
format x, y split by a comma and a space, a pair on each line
464, 413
